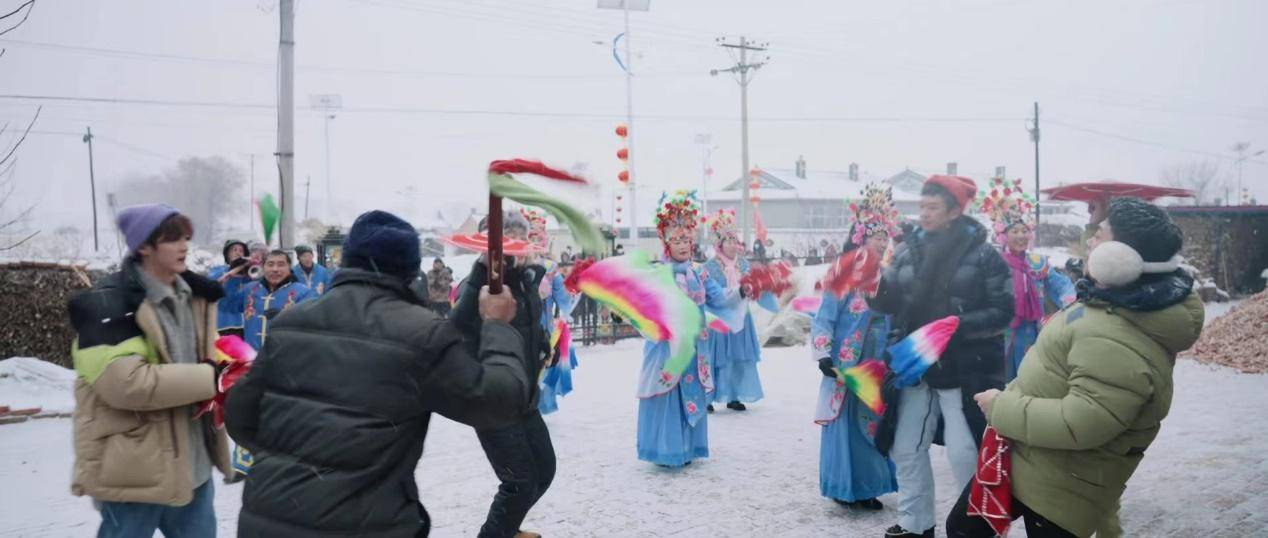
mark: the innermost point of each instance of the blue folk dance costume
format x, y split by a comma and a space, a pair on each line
735, 352
556, 381
850, 467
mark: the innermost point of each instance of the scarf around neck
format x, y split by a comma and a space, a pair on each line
1028, 305
730, 268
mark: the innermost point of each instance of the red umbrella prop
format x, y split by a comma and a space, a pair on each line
479, 242
1099, 190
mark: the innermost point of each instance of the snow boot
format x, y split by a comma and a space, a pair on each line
897, 531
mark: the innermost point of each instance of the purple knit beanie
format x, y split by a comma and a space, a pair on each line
138, 222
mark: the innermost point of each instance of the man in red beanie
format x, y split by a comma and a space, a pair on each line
948, 268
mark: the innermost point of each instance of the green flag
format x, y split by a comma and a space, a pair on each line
269, 215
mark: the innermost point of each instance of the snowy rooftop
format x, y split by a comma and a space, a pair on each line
785, 184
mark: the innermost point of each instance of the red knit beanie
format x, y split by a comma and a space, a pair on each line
962, 188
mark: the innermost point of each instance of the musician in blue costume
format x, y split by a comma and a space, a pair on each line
845, 332
672, 416
735, 353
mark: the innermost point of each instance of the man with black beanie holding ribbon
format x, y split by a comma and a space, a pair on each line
521, 452
337, 404
1092, 392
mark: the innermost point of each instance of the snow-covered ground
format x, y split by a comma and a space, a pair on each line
26, 382
1215, 310
1206, 475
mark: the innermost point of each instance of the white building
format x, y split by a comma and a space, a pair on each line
805, 208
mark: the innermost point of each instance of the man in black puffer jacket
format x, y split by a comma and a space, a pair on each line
946, 268
521, 452
336, 406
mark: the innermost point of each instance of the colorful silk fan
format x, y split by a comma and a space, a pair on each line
502, 184
239, 356
774, 278
478, 242
647, 297
913, 355
807, 304
865, 381
858, 269
715, 323
561, 341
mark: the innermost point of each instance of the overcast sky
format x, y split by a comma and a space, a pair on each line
434, 89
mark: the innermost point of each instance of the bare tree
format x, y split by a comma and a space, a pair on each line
10, 217
1201, 177
207, 189
311, 231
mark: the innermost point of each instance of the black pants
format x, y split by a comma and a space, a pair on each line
961, 525
524, 460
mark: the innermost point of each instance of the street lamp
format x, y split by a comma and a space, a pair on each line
626, 6
327, 102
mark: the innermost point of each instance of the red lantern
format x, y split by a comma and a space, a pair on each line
622, 131
623, 154
623, 176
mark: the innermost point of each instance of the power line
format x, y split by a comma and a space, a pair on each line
262, 65
492, 112
1148, 142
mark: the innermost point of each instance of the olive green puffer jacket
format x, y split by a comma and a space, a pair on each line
1090, 397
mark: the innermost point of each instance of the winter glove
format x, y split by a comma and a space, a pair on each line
828, 368
233, 360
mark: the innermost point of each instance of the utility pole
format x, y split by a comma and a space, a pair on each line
1241, 148
286, 121
742, 69
1034, 137
705, 141
92, 183
251, 197
308, 181
113, 204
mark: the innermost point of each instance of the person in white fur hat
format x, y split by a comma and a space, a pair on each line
1091, 394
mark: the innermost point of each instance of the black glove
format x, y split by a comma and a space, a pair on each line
828, 368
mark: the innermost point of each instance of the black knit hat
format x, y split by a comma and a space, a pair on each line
228, 245
384, 243
1145, 227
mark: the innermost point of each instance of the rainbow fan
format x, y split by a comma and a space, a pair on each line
913, 355
865, 381
648, 298
561, 341
238, 356
231, 348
